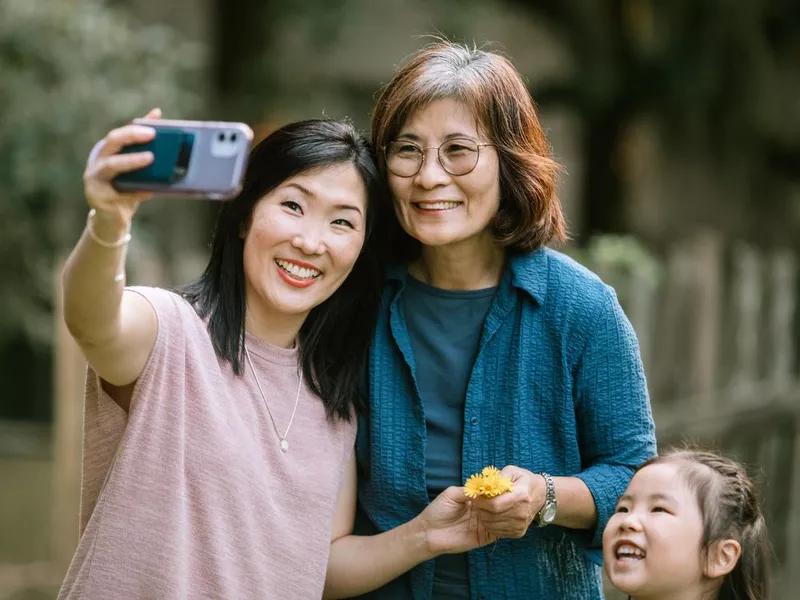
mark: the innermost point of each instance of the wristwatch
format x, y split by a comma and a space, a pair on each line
547, 514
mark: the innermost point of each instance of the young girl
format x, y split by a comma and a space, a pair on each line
688, 527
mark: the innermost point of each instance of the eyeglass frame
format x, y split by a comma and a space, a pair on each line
423, 150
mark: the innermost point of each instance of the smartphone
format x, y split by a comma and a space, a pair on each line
201, 159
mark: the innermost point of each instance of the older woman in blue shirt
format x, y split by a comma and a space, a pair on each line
492, 349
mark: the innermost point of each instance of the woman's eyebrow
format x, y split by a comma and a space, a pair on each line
307, 192
457, 134
348, 207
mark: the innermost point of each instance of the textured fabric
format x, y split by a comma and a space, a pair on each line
557, 386
188, 495
444, 328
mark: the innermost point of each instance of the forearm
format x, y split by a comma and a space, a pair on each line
576, 507
92, 293
359, 564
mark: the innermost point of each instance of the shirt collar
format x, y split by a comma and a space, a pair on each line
528, 272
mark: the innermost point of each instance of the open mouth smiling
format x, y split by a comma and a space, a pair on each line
436, 206
628, 552
301, 272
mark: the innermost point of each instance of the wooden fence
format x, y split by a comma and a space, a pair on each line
718, 335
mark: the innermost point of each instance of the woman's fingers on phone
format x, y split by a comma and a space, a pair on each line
155, 113
108, 167
122, 163
98, 176
127, 135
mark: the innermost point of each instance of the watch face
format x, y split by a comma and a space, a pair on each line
549, 513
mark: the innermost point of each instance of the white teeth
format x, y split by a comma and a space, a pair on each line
629, 552
297, 271
437, 205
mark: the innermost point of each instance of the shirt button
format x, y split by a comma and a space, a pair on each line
474, 420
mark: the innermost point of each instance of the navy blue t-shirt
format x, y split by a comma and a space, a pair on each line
444, 327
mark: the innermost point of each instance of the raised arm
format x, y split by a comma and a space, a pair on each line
116, 330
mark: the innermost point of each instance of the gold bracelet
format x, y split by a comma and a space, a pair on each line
120, 242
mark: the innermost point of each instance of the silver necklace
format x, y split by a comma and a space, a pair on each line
284, 443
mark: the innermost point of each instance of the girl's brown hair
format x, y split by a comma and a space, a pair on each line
730, 508
530, 214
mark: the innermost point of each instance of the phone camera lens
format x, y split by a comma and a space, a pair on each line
233, 137
221, 137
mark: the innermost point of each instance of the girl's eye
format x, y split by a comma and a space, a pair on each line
659, 509
343, 223
622, 509
292, 205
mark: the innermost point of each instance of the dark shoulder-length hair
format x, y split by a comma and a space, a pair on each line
334, 340
530, 214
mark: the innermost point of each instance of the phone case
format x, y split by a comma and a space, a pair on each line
191, 158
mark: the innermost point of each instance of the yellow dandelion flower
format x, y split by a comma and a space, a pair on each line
474, 486
488, 483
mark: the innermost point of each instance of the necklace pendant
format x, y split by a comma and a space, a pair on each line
284, 446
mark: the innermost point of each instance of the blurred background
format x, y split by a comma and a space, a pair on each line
678, 124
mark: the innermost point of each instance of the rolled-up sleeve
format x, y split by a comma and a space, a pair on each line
616, 432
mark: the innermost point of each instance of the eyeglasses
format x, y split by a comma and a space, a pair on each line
457, 156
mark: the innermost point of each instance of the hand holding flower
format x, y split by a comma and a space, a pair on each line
450, 524
510, 514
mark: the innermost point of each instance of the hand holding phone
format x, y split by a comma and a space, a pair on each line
105, 163
147, 156
190, 158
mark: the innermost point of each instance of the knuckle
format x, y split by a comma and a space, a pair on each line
115, 134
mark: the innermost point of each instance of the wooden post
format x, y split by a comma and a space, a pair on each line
748, 294
669, 368
70, 373
783, 275
706, 318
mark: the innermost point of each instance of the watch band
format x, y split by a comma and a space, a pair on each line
549, 501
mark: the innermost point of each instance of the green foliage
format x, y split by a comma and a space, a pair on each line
621, 261
623, 254
68, 72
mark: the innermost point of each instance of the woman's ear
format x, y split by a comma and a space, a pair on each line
722, 558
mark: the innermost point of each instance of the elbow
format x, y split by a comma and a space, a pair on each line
85, 332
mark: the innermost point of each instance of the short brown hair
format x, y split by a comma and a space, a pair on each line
530, 214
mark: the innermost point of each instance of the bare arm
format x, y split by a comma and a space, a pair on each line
359, 564
116, 330
576, 508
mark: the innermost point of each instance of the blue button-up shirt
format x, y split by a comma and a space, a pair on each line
557, 387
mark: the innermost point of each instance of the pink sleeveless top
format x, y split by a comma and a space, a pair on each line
189, 495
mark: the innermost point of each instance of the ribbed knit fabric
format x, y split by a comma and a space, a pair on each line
189, 496
557, 387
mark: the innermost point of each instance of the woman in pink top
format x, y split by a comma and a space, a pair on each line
219, 420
